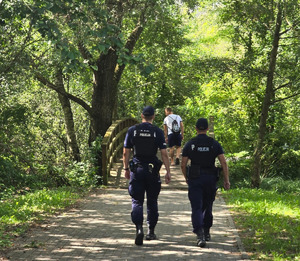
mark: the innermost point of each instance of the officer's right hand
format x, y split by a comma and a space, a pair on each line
226, 185
168, 178
127, 173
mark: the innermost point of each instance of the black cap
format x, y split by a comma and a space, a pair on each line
148, 111
202, 124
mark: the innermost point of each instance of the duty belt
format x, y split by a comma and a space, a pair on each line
194, 171
152, 167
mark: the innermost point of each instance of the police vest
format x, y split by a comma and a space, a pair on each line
202, 152
144, 142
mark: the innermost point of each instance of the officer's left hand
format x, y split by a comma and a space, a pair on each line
168, 178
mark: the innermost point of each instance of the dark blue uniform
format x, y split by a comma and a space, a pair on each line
202, 182
144, 139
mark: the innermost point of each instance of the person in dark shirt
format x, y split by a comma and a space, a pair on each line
202, 177
143, 171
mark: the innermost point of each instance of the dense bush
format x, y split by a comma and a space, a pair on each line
279, 176
281, 185
10, 174
81, 174
239, 169
285, 164
76, 174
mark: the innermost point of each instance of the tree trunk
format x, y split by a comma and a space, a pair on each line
69, 121
106, 80
269, 95
104, 95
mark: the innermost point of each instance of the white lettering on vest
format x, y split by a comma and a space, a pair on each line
145, 134
203, 149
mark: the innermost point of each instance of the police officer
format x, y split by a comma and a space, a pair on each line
202, 176
143, 171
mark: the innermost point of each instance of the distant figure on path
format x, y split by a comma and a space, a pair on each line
143, 171
202, 177
173, 129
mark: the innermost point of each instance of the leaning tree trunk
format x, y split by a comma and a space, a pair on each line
64, 99
269, 95
69, 120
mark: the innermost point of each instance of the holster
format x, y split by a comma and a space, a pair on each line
157, 167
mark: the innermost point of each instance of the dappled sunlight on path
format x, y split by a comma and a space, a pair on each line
101, 229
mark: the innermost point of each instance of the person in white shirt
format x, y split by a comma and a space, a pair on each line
173, 130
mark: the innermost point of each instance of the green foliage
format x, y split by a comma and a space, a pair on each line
268, 222
282, 162
160, 46
81, 174
73, 37
239, 165
281, 185
184, 59
84, 173
263, 58
283, 174
17, 213
10, 175
74, 174
33, 148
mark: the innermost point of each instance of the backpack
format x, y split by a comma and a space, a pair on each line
175, 127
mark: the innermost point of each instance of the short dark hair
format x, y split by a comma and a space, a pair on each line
148, 118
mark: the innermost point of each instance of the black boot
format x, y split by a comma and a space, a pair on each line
206, 234
139, 235
201, 239
150, 235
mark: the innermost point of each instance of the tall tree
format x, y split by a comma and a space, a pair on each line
160, 81
104, 42
68, 115
268, 32
89, 42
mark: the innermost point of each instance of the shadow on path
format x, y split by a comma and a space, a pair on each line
101, 229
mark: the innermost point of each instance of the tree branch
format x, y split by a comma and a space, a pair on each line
85, 52
22, 48
52, 86
134, 36
285, 31
286, 98
282, 86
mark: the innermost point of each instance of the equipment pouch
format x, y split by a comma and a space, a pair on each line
132, 166
188, 170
